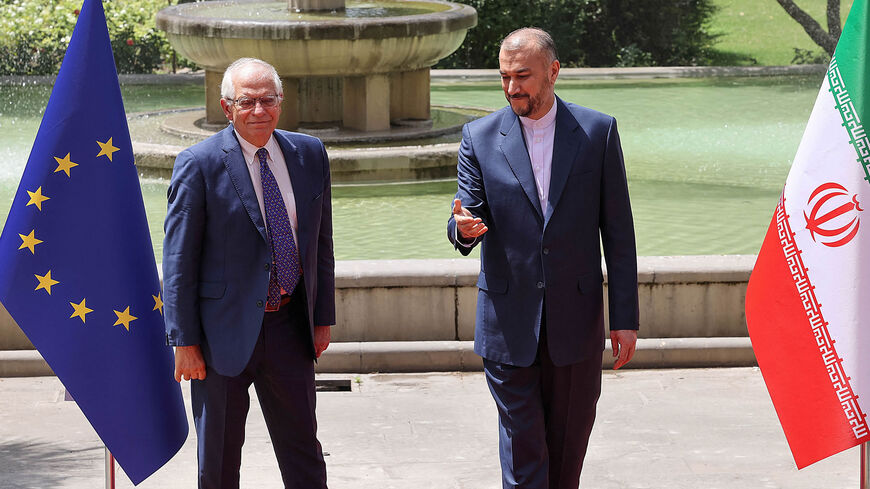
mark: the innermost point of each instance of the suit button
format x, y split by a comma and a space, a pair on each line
540, 285
546, 251
259, 303
266, 267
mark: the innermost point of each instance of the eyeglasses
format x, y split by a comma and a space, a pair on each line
247, 103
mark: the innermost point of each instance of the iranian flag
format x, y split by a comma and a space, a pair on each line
808, 302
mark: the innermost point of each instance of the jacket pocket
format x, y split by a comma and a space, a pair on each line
589, 283
492, 283
212, 290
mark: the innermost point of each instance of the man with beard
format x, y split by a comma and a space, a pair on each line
542, 188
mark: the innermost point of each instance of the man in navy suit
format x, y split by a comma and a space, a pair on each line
248, 274
542, 187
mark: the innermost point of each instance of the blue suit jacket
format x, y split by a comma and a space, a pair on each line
216, 258
531, 260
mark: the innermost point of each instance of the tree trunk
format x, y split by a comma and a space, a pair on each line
828, 41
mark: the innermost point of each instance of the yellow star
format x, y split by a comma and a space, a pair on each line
124, 318
29, 242
158, 303
36, 198
45, 282
64, 164
80, 310
106, 149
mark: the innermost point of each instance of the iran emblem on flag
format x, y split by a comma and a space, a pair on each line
808, 301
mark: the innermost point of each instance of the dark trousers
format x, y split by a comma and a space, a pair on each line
282, 370
545, 418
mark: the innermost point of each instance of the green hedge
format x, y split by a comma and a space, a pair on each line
594, 32
34, 35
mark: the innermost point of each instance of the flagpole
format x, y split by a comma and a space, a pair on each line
865, 466
110, 470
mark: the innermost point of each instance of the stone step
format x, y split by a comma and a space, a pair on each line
448, 356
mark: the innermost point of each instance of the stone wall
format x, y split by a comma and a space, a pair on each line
434, 300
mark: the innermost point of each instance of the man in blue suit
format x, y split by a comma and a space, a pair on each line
542, 187
248, 274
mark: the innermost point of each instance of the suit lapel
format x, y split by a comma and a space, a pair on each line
301, 186
566, 143
514, 149
237, 169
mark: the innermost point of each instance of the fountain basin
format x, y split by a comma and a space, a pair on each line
364, 67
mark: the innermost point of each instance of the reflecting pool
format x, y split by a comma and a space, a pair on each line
706, 160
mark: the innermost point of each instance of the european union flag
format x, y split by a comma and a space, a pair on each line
77, 271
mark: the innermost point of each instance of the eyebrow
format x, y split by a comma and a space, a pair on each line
521, 70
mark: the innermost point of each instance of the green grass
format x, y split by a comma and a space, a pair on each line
761, 32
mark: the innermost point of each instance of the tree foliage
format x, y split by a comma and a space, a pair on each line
594, 32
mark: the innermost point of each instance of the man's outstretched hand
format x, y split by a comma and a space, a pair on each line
469, 227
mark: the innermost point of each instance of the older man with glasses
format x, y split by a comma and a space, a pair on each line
248, 274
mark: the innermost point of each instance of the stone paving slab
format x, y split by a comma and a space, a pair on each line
669, 429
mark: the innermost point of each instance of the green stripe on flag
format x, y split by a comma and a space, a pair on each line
847, 75
851, 55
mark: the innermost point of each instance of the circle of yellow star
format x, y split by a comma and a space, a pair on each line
36, 198
80, 310
45, 282
158, 303
29, 242
64, 164
124, 318
106, 149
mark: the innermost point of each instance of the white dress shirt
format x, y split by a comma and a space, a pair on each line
278, 165
539, 136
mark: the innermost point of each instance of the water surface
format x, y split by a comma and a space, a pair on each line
706, 160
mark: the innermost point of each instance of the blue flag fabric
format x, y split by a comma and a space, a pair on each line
77, 270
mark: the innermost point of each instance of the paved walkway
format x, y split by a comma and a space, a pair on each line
668, 429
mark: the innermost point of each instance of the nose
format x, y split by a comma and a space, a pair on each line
513, 87
258, 107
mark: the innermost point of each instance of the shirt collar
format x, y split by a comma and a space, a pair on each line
544, 122
249, 151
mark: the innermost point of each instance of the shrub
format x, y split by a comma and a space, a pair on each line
594, 32
34, 35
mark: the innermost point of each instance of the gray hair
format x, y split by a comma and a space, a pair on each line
539, 37
228, 91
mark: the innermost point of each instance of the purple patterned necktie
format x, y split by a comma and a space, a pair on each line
285, 258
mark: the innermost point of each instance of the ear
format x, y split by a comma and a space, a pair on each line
227, 109
553, 73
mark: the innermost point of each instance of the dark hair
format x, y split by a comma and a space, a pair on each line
542, 39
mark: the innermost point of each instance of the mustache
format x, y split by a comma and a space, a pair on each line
518, 96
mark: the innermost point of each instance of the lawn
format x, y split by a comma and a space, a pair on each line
761, 32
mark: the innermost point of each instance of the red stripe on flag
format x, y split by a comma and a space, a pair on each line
788, 353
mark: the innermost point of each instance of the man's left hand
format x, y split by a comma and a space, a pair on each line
321, 339
622, 342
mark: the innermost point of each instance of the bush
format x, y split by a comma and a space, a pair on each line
34, 35
594, 32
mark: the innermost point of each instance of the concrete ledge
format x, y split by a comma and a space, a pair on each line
454, 356
23, 363
492, 75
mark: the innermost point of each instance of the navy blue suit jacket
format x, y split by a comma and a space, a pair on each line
531, 260
216, 257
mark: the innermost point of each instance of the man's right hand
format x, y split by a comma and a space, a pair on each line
189, 363
469, 227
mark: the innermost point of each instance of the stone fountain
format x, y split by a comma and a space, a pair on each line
346, 65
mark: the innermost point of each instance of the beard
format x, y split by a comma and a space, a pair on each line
524, 104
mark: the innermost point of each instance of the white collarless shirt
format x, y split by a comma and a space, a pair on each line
278, 165
539, 136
